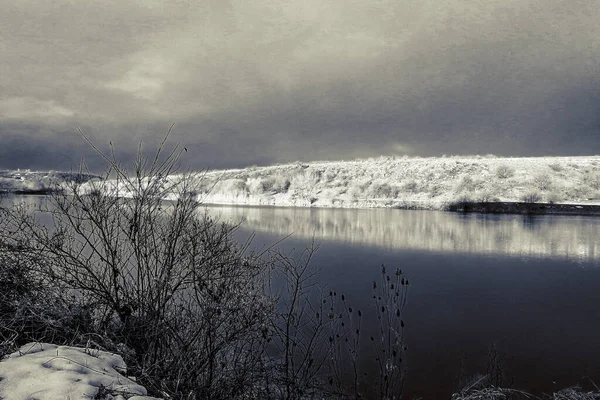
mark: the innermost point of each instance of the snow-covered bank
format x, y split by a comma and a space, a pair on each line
47, 372
403, 182
389, 182
37, 182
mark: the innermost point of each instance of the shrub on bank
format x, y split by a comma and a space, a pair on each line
410, 187
592, 180
504, 172
554, 197
531, 197
162, 281
542, 182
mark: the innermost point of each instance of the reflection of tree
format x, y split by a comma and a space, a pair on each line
530, 222
540, 236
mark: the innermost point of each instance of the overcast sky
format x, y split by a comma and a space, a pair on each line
265, 81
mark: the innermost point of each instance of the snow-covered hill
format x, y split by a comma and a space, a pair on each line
401, 182
404, 182
35, 182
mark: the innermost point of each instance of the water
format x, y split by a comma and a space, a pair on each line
526, 285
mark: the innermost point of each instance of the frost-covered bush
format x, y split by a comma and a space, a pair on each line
384, 190
554, 197
468, 184
234, 187
504, 172
486, 196
591, 179
305, 178
542, 181
556, 167
276, 184
531, 197
359, 189
578, 192
435, 189
410, 187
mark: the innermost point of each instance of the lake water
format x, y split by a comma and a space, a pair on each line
528, 285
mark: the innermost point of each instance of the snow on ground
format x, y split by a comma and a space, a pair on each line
45, 371
394, 182
405, 182
27, 181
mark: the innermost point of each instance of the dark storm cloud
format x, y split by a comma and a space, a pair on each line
270, 81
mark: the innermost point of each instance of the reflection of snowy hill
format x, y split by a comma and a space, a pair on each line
407, 182
37, 182
515, 235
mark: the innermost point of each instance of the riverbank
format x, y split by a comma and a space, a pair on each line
525, 208
28, 182
523, 185
49, 371
402, 182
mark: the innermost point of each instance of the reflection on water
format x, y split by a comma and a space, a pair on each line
568, 237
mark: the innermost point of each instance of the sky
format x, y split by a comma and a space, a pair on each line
272, 81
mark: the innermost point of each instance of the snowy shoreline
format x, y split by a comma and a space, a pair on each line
407, 183
386, 182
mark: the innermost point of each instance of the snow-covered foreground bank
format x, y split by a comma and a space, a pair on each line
429, 183
45, 371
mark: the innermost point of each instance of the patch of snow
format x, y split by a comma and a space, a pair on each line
46, 372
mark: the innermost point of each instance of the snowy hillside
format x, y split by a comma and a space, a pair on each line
35, 182
404, 182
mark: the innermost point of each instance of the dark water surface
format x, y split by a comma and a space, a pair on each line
530, 286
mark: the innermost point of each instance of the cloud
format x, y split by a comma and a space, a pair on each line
27, 107
307, 79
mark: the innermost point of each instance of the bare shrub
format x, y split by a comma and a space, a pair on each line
275, 184
390, 299
504, 171
163, 279
299, 327
305, 177
33, 308
190, 309
531, 197
463, 198
542, 181
350, 331
410, 187
384, 190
